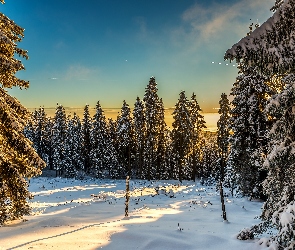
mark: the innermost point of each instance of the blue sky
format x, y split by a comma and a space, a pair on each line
84, 51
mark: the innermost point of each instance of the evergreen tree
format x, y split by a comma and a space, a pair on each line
18, 160
114, 168
181, 133
100, 153
73, 147
40, 133
59, 136
279, 185
208, 160
125, 140
49, 142
197, 126
139, 134
249, 126
151, 102
270, 48
86, 140
223, 134
161, 142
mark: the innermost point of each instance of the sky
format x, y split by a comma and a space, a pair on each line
86, 51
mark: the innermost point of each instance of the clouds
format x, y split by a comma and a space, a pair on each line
80, 72
207, 24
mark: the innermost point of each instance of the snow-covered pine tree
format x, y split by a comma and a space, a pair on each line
18, 159
249, 125
125, 140
209, 156
139, 135
86, 139
151, 103
198, 124
181, 133
271, 48
100, 142
73, 147
49, 142
114, 168
161, 169
223, 134
40, 134
59, 135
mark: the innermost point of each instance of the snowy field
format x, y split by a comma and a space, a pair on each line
89, 214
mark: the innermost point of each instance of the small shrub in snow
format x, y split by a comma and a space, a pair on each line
245, 234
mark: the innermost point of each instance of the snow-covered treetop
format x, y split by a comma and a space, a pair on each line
270, 46
10, 35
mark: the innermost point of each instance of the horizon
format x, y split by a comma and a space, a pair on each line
210, 118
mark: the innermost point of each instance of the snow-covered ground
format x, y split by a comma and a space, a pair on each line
89, 214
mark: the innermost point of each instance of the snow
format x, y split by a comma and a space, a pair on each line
89, 214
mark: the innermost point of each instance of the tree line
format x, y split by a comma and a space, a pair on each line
137, 144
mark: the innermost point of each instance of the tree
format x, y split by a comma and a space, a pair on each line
18, 159
161, 169
182, 132
40, 135
73, 147
113, 166
100, 153
59, 136
125, 140
198, 124
86, 139
139, 135
223, 134
150, 99
271, 49
249, 126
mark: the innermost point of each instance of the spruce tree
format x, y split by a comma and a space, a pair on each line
59, 130
125, 140
151, 103
223, 134
197, 126
161, 168
40, 135
270, 48
181, 133
114, 168
86, 140
73, 147
139, 134
249, 126
18, 160
100, 153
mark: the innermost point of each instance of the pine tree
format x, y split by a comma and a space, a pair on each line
49, 142
223, 134
271, 49
114, 168
100, 153
59, 136
40, 133
73, 147
151, 100
249, 126
182, 132
125, 140
161, 168
18, 160
197, 126
86, 140
139, 134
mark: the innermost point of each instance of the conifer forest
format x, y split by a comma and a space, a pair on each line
250, 156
